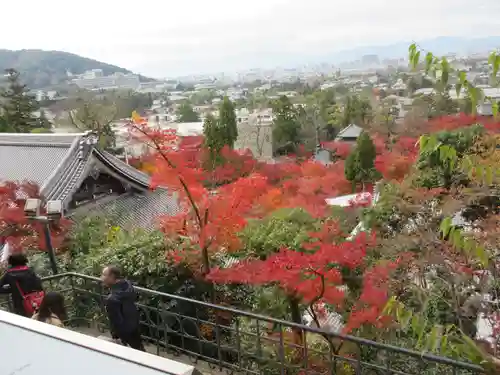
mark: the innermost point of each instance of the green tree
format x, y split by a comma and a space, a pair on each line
360, 164
17, 106
186, 113
227, 122
214, 138
286, 124
97, 116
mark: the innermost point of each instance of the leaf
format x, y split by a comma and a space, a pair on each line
457, 239
429, 58
462, 77
494, 61
494, 109
434, 338
482, 255
416, 60
469, 245
446, 226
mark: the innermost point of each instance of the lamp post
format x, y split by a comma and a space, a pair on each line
54, 212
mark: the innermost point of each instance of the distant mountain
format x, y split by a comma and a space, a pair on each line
438, 46
42, 69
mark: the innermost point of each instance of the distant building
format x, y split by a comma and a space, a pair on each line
349, 134
95, 80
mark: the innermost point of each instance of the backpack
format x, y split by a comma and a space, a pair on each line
31, 301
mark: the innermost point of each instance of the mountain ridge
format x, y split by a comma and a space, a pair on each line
43, 68
439, 46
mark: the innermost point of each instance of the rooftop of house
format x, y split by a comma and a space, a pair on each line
350, 131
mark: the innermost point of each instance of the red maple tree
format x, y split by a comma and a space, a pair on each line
214, 204
314, 277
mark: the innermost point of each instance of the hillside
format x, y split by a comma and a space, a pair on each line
41, 69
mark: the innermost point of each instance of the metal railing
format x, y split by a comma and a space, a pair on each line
241, 342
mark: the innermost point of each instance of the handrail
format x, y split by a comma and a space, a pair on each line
354, 339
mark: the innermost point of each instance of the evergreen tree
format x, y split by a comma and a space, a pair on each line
360, 164
17, 106
212, 133
286, 124
186, 113
227, 122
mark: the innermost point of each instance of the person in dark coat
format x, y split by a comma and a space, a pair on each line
122, 310
19, 276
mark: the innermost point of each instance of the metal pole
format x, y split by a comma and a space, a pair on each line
50, 249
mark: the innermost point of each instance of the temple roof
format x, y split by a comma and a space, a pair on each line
34, 157
133, 210
59, 163
351, 132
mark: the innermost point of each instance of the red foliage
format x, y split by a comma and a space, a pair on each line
15, 228
210, 215
453, 122
339, 149
314, 276
395, 160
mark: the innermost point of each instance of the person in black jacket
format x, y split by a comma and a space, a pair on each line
19, 276
122, 309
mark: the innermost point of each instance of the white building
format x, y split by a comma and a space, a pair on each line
95, 80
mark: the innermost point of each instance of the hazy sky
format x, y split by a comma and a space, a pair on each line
170, 37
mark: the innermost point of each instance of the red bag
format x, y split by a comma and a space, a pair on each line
31, 301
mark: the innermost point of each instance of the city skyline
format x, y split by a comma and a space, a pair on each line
180, 38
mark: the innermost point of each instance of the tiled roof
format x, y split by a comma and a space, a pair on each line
132, 210
125, 169
59, 162
351, 131
33, 157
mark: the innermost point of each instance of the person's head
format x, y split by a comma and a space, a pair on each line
17, 260
53, 303
110, 275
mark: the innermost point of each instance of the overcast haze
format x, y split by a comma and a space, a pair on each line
168, 37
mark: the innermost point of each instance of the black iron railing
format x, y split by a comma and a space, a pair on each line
245, 343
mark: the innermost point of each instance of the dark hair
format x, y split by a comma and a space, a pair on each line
53, 303
114, 271
17, 260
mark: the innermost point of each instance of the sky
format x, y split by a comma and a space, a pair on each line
161, 38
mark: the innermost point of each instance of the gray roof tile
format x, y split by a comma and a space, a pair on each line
351, 131
132, 210
128, 170
39, 139
33, 157
29, 163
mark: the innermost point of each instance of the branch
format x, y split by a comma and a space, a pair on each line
318, 297
158, 148
72, 119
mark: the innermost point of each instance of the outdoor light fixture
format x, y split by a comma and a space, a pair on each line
54, 209
54, 212
32, 207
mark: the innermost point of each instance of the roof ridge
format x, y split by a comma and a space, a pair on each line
40, 134
72, 152
35, 144
124, 168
